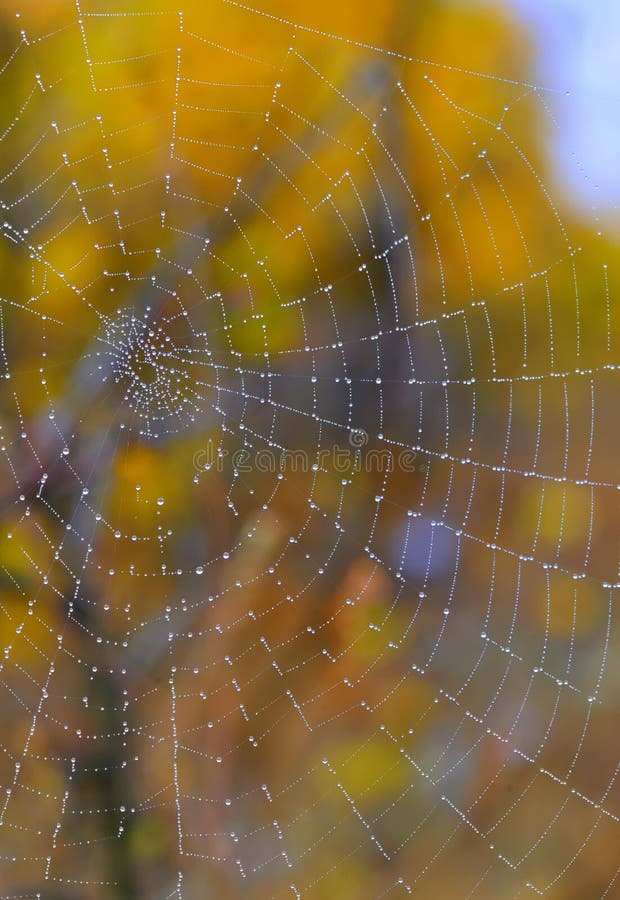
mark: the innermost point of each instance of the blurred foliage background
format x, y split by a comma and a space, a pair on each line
231, 684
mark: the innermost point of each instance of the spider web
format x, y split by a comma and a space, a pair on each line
308, 472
